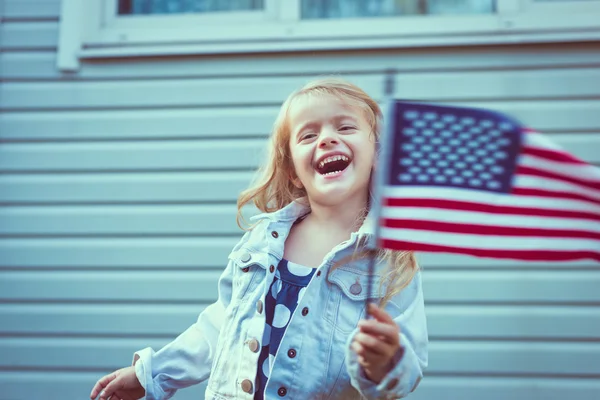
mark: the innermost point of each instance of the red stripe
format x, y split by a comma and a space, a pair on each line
552, 155
526, 255
488, 208
520, 191
524, 170
493, 230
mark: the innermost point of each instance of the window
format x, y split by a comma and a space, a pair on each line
138, 7
316, 9
114, 28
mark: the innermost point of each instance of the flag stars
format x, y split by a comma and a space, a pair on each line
405, 177
453, 150
494, 185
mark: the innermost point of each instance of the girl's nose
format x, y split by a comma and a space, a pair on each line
328, 141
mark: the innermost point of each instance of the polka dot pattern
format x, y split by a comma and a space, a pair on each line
286, 291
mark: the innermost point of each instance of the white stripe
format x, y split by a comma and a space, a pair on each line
496, 199
581, 171
489, 242
534, 182
479, 218
541, 141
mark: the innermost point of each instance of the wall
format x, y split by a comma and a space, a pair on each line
117, 204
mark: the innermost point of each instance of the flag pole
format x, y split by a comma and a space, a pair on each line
382, 149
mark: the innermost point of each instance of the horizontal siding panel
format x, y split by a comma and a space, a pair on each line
43, 65
555, 116
120, 220
28, 9
522, 388
116, 253
78, 384
448, 322
28, 36
124, 187
487, 85
443, 287
69, 384
163, 93
119, 124
184, 155
119, 156
191, 253
482, 358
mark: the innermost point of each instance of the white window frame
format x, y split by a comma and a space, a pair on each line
91, 29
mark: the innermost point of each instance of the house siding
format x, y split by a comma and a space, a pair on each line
118, 186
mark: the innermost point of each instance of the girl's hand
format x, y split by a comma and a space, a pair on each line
376, 343
122, 384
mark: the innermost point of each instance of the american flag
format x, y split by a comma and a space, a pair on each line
477, 182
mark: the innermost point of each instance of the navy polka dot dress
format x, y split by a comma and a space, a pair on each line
285, 292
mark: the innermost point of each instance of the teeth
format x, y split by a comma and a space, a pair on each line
330, 159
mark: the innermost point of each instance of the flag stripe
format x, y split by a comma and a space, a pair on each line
525, 170
587, 172
489, 241
530, 255
551, 194
446, 214
492, 199
552, 155
573, 191
488, 208
478, 229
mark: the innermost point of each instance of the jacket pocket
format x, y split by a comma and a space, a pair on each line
247, 273
346, 301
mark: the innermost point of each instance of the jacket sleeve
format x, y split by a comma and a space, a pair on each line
187, 360
407, 309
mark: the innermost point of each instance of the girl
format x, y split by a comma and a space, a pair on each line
289, 319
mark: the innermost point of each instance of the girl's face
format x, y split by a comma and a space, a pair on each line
332, 149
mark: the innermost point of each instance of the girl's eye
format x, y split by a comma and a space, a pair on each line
347, 128
307, 136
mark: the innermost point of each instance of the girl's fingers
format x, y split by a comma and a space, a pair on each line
389, 333
101, 384
373, 344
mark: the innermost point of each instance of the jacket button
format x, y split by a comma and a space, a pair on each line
355, 288
253, 345
305, 311
247, 386
259, 306
275, 234
318, 273
246, 257
245, 269
282, 391
291, 353
272, 268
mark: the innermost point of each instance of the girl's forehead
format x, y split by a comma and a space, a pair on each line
322, 105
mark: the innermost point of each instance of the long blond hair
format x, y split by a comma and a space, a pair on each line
273, 187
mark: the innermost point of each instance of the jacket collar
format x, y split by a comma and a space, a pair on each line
299, 208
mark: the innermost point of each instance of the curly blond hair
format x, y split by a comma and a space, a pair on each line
273, 187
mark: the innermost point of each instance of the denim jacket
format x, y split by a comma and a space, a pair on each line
221, 345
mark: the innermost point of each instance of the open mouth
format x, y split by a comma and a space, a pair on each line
332, 165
